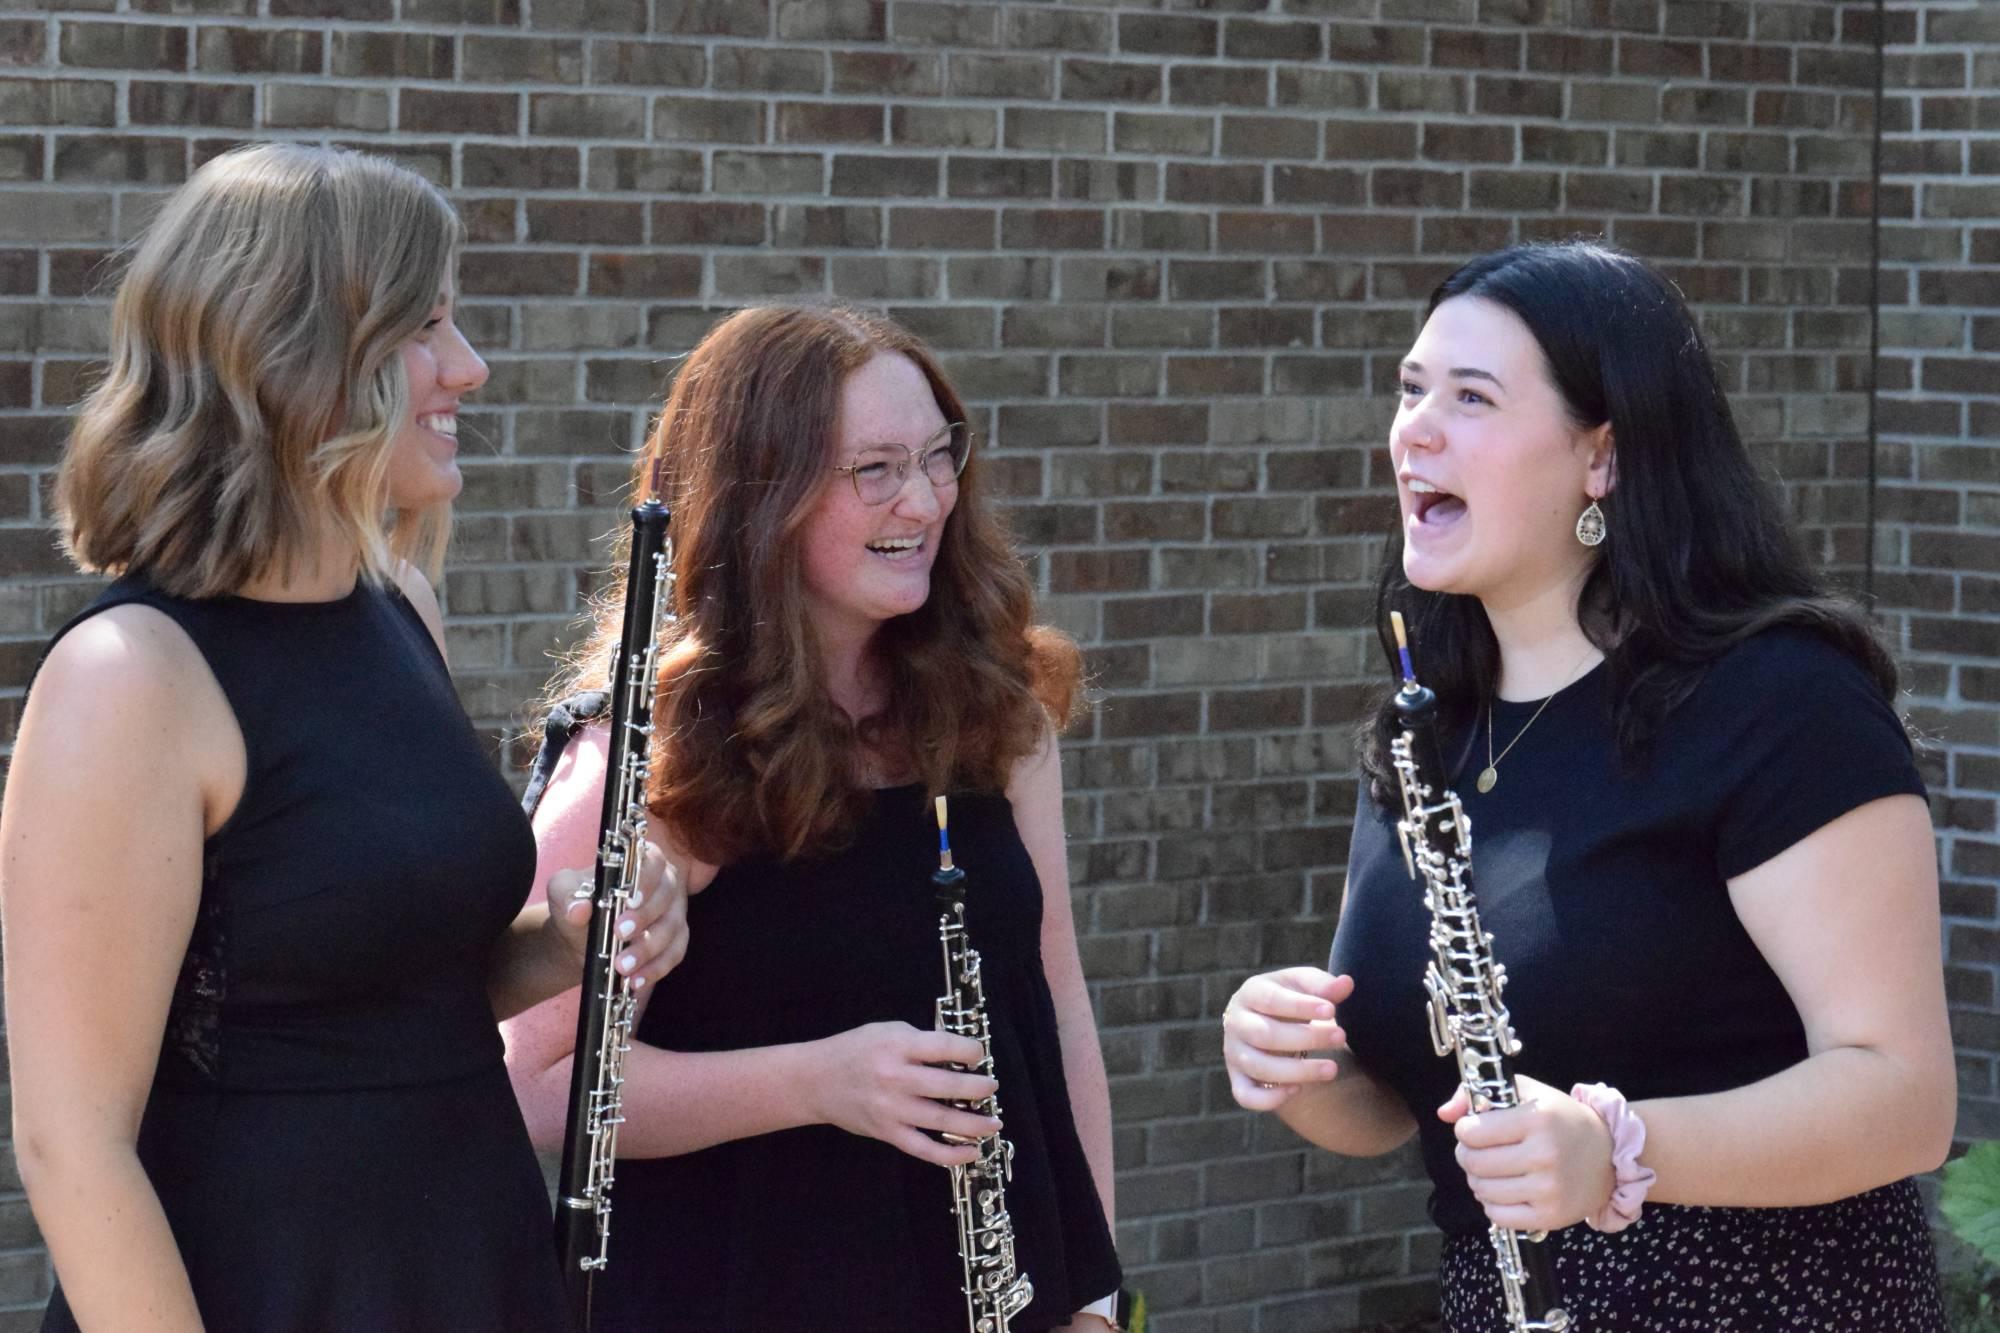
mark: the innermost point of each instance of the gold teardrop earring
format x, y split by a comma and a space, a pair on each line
1590, 526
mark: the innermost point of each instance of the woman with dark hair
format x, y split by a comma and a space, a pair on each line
854, 637
1700, 844
264, 889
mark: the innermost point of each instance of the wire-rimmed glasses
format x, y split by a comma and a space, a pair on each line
879, 470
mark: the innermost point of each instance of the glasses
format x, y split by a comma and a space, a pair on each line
878, 470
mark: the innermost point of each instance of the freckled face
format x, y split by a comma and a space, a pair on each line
863, 563
440, 367
1491, 473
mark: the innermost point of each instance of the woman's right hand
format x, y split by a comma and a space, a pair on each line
1272, 1021
882, 1081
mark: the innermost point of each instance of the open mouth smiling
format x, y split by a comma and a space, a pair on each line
1429, 505
897, 548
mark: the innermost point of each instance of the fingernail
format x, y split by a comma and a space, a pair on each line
626, 927
627, 963
638, 983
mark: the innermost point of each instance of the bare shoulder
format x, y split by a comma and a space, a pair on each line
130, 655
1037, 773
568, 819
417, 591
126, 698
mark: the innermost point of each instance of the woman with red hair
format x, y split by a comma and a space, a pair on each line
853, 637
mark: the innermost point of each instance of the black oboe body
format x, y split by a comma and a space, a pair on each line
1463, 981
995, 1288
607, 1004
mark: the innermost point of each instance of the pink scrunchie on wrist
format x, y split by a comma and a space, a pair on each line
1628, 1140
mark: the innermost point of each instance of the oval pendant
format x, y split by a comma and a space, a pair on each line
1487, 777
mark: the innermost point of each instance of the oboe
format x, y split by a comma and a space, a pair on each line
607, 1006
995, 1289
1468, 1019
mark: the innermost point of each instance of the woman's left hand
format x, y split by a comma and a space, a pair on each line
1538, 1166
654, 931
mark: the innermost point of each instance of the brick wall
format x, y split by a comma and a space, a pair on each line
1937, 543
1173, 257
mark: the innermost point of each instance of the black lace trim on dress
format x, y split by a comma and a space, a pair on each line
194, 1017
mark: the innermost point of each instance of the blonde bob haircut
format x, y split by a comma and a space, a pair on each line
255, 381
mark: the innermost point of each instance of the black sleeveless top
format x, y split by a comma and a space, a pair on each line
331, 1131
816, 1227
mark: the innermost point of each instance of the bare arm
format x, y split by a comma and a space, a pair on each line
1848, 919
128, 756
1035, 789
874, 1080
1286, 1052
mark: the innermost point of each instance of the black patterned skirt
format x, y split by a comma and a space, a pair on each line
1863, 1264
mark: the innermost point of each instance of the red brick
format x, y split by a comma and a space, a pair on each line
1201, 184
704, 222
498, 166
438, 111
943, 228
829, 122
209, 105
259, 51
1374, 44
1111, 81
998, 177
1218, 85
1168, 35
1001, 76
831, 20
1266, 39
386, 55
585, 222
119, 159
139, 46
713, 18
326, 106
1041, 29
648, 64
1270, 137
1052, 229
878, 176
887, 73
1472, 48
768, 69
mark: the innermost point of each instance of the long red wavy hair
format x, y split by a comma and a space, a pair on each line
750, 753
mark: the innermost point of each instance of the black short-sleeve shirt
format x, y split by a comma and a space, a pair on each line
1606, 887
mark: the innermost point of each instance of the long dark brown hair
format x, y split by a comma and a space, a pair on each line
1697, 557
751, 754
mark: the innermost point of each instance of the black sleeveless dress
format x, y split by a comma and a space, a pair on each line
331, 1131
816, 1228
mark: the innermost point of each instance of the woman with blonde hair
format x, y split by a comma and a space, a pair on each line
854, 638
263, 887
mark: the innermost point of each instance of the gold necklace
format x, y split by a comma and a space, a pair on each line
1489, 777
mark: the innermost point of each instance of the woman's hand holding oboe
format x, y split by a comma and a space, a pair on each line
654, 929
1539, 1166
887, 1081
542, 955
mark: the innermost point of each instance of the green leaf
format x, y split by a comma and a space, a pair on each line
1970, 1200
